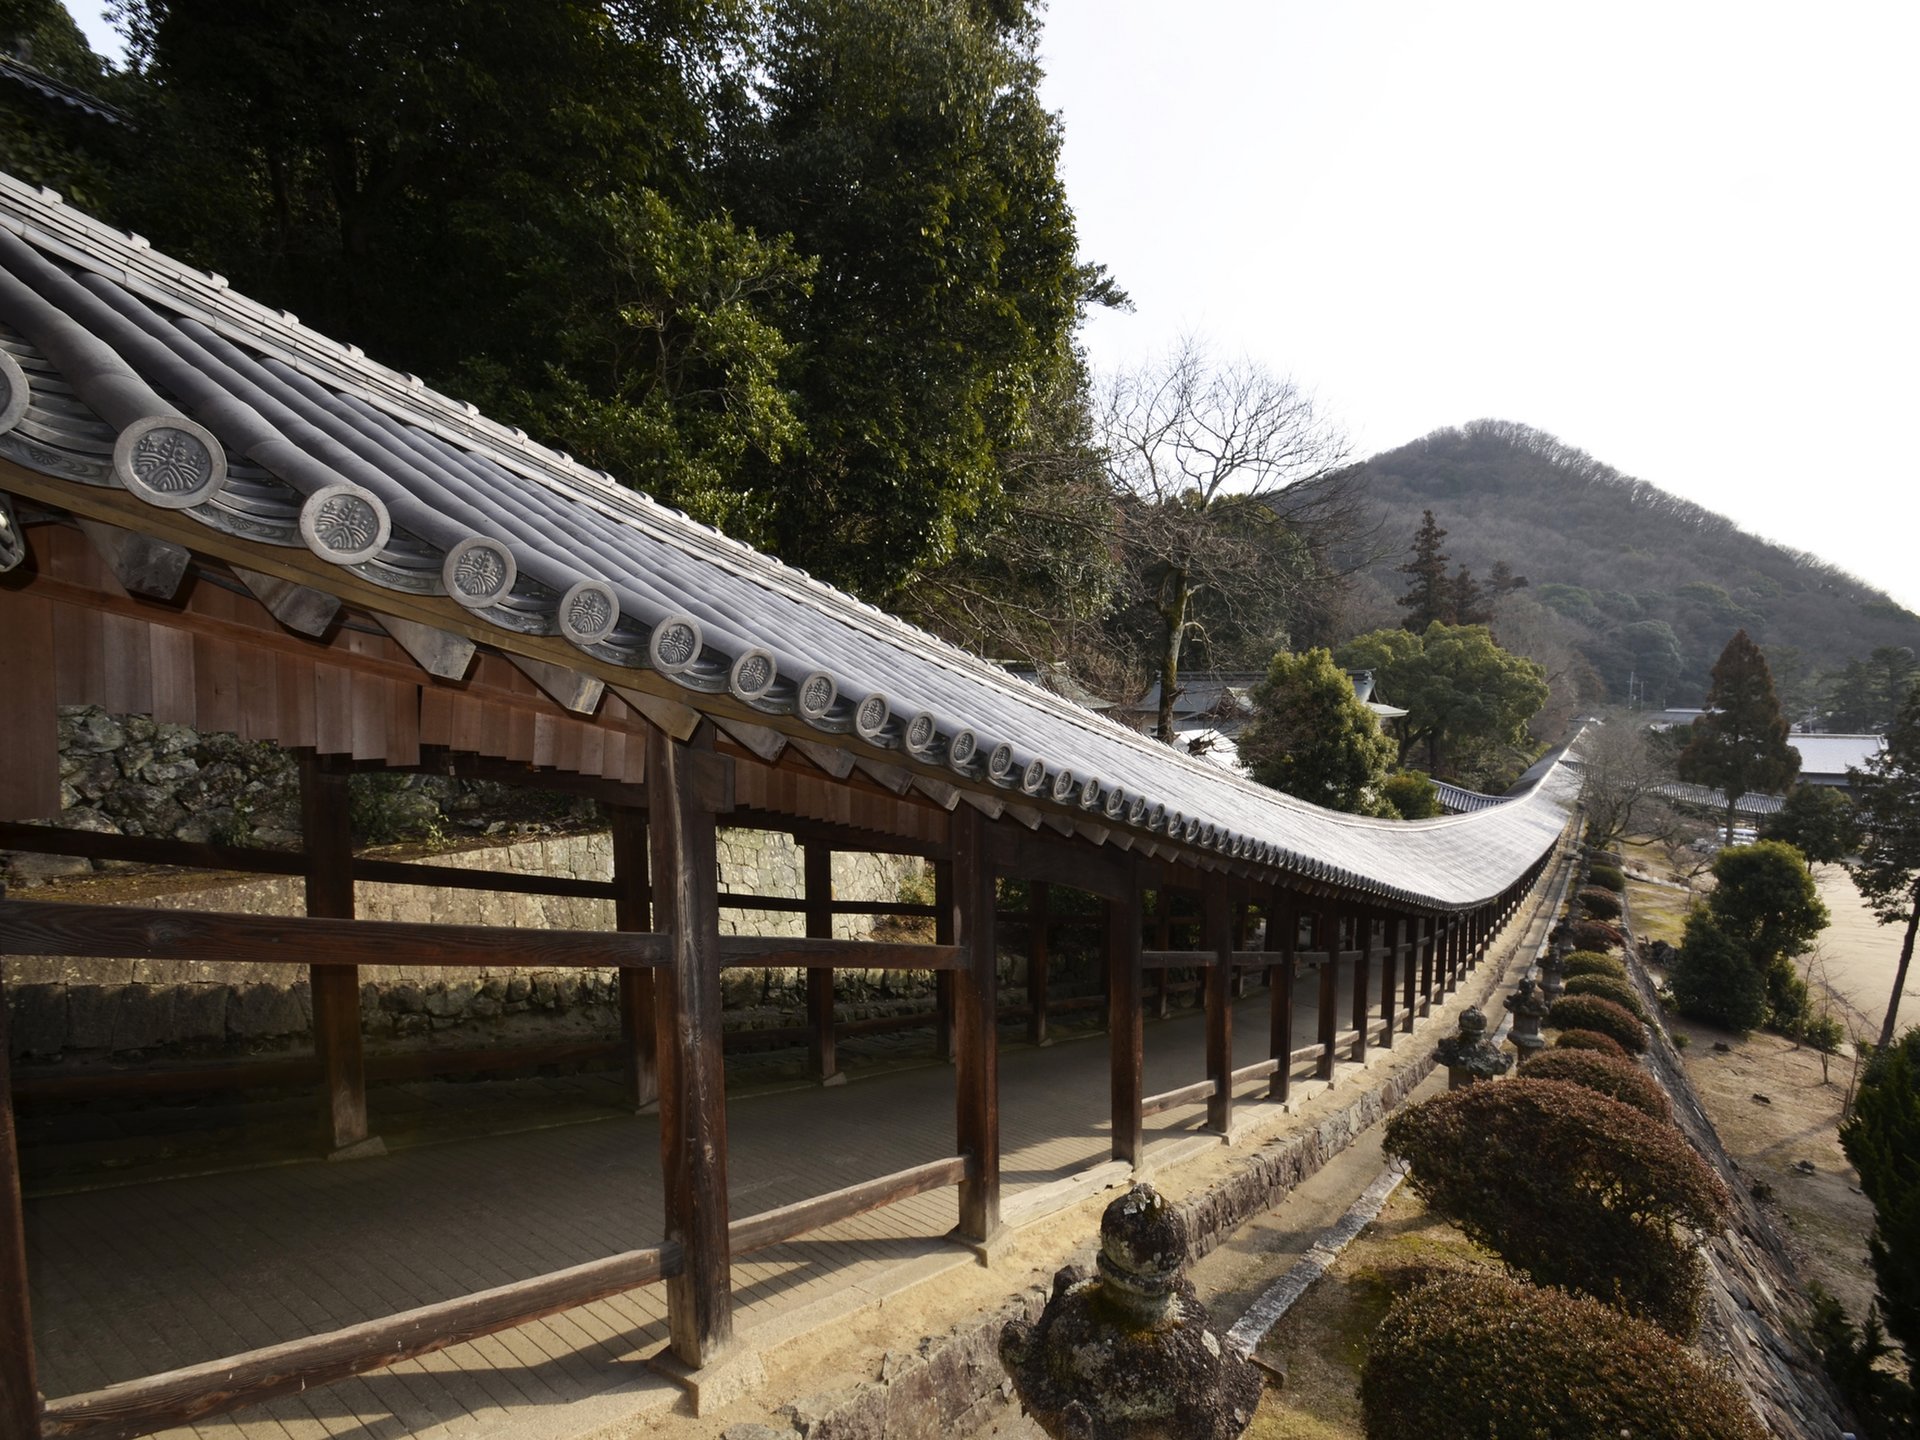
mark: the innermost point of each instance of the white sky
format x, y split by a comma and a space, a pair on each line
1681, 236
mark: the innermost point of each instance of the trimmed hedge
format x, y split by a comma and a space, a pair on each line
1590, 1040
1595, 935
1570, 1187
1471, 1356
1608, 987
1590, 1012
1615, 1077
1607, 877
1592, 962
1600, 904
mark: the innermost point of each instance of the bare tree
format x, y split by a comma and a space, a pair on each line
1227, 477
1620, 779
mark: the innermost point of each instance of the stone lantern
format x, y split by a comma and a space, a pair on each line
1127, 1354
1469, 1055
1553, 979
1528, 1007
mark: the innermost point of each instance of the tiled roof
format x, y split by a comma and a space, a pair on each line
122, 368
1832, 755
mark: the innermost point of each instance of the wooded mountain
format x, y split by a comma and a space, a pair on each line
1638, 583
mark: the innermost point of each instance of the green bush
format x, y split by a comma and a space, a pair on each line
1592, 962
1713, 978
1412, 795
1607, 877
1590, 1012
1471, 1356
1571, 1188
1595, 935
1882, 1139
1823, 1032
1618, 1078
1608, 987
1600, 904
1590, 1040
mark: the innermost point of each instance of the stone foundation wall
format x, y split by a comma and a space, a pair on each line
77, 1008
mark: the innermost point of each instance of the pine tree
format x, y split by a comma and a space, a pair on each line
1739, 746
1470, 602
1429, 594
1882, 1139
1887, 799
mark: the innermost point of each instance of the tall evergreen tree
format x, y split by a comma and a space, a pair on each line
1882, 1139
1886, 792
1739, 746
1430, 594
1311, 736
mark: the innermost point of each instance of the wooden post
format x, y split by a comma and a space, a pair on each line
943, 980
1408, 929
823, 1061
1326, 935
1456, 947
693, 1101
1126, 1045
1237, 988
1216, 920
1283, 934
326, 819
1393, 936
1429, 962
1362, 980
976, 1035
633, 910
1037, 899
19, 1381
1162, 940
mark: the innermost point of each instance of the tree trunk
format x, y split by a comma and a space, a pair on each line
1733, 802
1174, 615
1900, 975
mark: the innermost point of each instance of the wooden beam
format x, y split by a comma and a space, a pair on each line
1284, 915
770, 1227
19, 1383
823, 1062
756, 740
633, 913
1185, 1095
976, 1032
1326, 926
142, 564
944, 980
1363, 919
29, 713
792, 952
179, 1397
440, 653
687, 1010
1126, 1053
1217, 927
326, 811
301, 608
1038, 892
568, 688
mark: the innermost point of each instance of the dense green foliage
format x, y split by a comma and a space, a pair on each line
47, 141
1739, 746
1600, 902
1764, 900
1628, 581
1593, 962
1714, 979
1591, 1040
1818, 821
1570, 1187
1412, 795
1887, 873
1598, 935
1468, 701
1616, 1078
1882, 1139
1608, 987
1312, 737
1607, 877
1590, 1012
1469, 1356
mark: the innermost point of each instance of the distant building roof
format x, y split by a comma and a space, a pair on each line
19, 72
1825, 759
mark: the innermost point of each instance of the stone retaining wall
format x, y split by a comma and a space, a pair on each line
79, 1007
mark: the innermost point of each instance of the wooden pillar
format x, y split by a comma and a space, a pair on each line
686, 783
1326, 934
633, 910
1283, 934
1162, 940
1408, 929
326, 810
19, 1380
823, 1060
1393, 937
1429, 962
1216, 935
1126, 1044
1037, 921
1237, 978
1362, 980
1456, 946
976, 1034
943, 980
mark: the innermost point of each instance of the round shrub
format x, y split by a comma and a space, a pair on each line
1607, 877
1600, 904
1714, 978
1571, 1188
1595, 935
1590, 1040
1471, 1356
1590, 1012
1608, 987
1592, 962
1616, 1077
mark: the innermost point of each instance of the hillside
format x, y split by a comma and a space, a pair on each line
1638, 582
